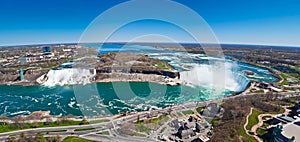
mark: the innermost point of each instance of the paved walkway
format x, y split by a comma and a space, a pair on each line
245, 125
260, 122
247, 120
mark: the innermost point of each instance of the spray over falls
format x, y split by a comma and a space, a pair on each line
220, 79
193, 69
69, 76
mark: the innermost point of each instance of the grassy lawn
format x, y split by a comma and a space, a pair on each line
142, 128
4, 127
253, 119
76, 139
7, 128
294, 76
103, 133
288, 88
199, 109
163, 66
293, 67
188, 112
261, 131
293, 100
84, 129
61, 123
139, 135
99, 121
265, 125
279, 112
55, 131
155, 122
179, 114
284, 77
266, 117
214, 122
246, 137
259, 91
285, 82
162, 117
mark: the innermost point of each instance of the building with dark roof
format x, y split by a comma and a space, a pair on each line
285, 119
278, 137
46, 50
184, 134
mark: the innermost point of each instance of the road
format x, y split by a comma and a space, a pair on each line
112, 126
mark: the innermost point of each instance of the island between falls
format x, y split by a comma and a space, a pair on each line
109, 67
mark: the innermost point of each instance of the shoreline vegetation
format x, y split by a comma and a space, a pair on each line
236, 106
111, 67
272, 71
154, 78
237, 110
92, 120
43, 119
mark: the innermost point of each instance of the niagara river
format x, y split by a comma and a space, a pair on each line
62, 97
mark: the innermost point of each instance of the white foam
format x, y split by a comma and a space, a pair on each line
71, 104
19, 113
69, 76
213, 76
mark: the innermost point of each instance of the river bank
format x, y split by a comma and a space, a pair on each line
153, 86
272, 71
136, 77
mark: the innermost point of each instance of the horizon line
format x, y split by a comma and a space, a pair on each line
150, 42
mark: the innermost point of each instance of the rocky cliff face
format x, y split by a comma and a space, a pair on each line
32, 75
12, 76
136, 77
110, 67
171, 74
9, 75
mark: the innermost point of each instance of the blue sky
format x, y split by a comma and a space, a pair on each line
271, 22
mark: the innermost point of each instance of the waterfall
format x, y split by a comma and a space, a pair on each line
226, 78
242, 82
200, 75
69, 76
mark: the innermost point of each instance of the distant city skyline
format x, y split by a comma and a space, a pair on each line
233, 22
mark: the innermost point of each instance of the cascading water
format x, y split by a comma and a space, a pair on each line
69, 76
242, 81
200, 75
203, 76
194, 72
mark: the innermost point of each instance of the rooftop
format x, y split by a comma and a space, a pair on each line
291, 130
286, 118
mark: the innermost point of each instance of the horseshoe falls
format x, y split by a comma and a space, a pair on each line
58, 93
201, 75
